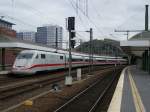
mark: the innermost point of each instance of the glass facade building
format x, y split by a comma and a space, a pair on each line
28, 36
47, 35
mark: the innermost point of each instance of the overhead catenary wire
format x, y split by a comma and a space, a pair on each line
72, 5
89, 19
33, 10
99, 15
80, 36
82, 12
18, 20
38, 12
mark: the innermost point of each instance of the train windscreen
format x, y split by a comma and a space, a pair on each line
25, 56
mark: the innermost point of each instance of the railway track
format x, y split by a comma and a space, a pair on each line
25, 85
89, 99
5, 79
19, 98
19, 88
9, 79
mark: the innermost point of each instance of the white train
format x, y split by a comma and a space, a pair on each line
32, 61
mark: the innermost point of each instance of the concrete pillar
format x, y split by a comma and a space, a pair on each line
3, 58
79, 74
143, 61
129, 59
149, 60
146, 59
68, 81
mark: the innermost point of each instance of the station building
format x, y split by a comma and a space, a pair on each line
6, 30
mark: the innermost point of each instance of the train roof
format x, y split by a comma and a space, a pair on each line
73, 53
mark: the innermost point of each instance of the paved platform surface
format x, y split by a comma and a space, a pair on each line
132, 93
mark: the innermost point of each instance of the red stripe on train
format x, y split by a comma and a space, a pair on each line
61, 64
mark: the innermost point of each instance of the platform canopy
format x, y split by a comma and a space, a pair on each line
136, 47
137, 44
11, 42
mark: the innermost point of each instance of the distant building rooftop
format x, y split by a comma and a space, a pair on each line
6, 28
6, 22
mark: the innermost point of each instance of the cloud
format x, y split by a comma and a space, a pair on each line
106, 15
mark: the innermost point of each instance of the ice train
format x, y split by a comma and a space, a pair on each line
33, 61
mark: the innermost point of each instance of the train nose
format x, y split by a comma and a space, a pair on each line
21, 63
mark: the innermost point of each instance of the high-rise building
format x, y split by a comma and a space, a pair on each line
28, 36
47, 35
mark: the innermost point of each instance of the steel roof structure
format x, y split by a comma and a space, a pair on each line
135, 46
9, 42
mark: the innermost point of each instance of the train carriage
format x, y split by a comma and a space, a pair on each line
32, 61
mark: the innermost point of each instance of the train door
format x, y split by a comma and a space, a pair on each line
65, 61
43, 59
37, 59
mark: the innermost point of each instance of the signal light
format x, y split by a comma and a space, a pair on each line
73, 34
71, 23
72, 42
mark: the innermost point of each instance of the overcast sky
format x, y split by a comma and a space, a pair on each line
103, 15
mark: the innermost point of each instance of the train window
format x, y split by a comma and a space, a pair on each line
42, 56
76, 60
37, 56
61, 57
73, 59
25, 56
86, 60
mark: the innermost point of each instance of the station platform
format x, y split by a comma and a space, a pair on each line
132, 93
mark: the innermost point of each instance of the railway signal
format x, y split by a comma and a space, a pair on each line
73, 42
71, 23
71, 29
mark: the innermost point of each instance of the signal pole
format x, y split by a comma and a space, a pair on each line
56, 41
90, 51
91, 43
70, 57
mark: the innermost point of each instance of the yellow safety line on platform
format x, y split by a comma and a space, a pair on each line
115, 105
136, 96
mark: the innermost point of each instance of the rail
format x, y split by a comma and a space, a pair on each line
86, 101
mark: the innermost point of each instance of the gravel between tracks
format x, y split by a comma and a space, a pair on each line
52, 100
